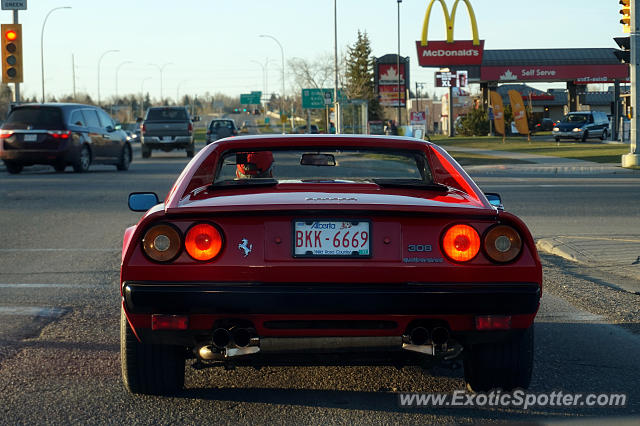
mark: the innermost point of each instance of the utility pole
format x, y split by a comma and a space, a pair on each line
73, 76
633, 158
16, 92
336, 102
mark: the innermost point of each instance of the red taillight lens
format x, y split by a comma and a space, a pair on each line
143, 128
493, 322
169, 322
162, 243
502, 243
60, 134
5, 135
461, 243
190, 127
203, 242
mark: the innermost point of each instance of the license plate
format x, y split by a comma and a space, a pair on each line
331, 238
166, 139
30, 137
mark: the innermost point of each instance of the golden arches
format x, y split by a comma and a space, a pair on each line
450, 21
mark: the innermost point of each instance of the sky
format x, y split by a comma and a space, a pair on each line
214, 46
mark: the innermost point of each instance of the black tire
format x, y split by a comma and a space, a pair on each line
13, 168
149, 369
59, 167
585, 135
604, 134
146, 151
125, 158
81, 165
557, 139
504, 365
191, 151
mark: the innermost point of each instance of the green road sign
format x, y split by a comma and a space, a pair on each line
319, 98
252, 98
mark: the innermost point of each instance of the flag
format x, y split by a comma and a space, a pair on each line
498, 111
519, 114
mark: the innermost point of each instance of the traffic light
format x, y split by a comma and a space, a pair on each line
626, 15
623, 55
11, 53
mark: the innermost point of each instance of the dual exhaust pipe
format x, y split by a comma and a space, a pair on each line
227, 343
420, 339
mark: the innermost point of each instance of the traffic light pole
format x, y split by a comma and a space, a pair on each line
16, 91
633, 158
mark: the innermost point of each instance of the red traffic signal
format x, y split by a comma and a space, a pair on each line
11, 53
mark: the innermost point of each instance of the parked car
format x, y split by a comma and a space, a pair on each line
582, 125
167, 128
221, 128
326, 247
303, 129
545, 125
62, 134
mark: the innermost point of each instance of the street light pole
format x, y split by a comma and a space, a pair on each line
99, 61
398, 65
161, 69
178, 92
42, 43
283, 122
117, 70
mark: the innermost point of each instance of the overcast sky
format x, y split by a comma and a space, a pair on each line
211, 45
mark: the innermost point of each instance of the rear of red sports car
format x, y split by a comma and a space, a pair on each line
276, 249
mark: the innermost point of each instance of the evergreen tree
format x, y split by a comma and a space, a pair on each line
359, 74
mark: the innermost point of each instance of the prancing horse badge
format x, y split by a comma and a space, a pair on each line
245, 246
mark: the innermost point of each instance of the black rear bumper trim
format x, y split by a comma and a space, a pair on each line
318, 299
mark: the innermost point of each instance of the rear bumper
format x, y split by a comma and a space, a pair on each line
331, 299
155, 142
39, 156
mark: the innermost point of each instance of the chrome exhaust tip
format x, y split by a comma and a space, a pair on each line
419, 336
440, 335
241, 336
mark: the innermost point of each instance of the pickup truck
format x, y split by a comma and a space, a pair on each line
167, 128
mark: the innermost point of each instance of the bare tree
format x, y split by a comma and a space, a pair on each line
314, 74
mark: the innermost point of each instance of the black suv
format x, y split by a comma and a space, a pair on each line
582, 125
59, 135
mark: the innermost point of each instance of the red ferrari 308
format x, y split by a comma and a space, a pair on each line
315, 249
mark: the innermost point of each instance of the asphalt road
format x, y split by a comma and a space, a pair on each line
60, 241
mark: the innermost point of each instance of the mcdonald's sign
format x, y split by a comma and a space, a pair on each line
450, 52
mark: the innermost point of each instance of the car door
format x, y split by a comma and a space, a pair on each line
96, 132
112, 138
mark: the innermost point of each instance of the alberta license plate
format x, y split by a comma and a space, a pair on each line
166, 139
331, 238
30, 137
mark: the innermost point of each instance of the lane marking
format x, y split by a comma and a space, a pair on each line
32, 311
42, 285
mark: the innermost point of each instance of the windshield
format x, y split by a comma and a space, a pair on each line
574, 118
325, 165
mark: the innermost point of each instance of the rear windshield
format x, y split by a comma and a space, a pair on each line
167, 114
325, 165
35, 118
221, 123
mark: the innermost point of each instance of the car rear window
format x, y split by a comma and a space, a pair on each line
221, 123
36, 118
325, 165
167, 114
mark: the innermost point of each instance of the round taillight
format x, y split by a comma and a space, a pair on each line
502, 243
162, 243
203, 241
461, 243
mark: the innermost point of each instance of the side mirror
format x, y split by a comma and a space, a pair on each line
109, 128
142, 201
139, 120
495, 200
195, 118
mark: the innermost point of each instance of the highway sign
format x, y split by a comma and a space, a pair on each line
319, 98
252, 98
